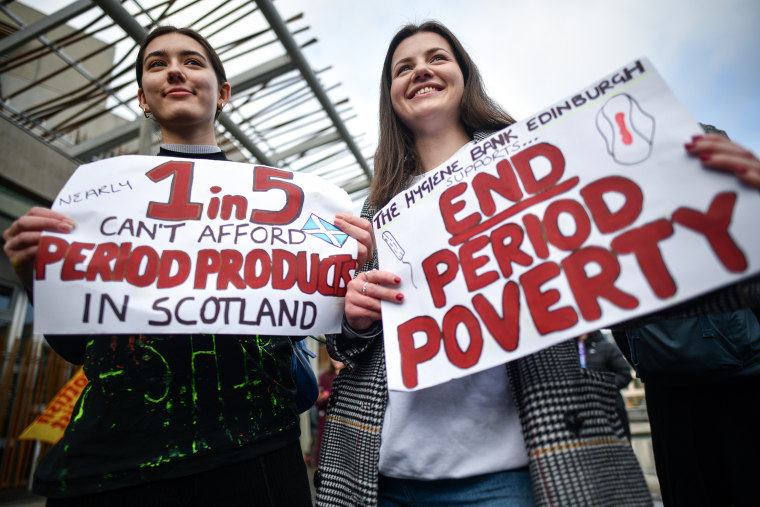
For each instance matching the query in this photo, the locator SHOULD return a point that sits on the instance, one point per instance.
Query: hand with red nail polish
(365, 293)
(721, 154)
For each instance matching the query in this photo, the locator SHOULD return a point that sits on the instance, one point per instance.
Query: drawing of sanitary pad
(627, 130)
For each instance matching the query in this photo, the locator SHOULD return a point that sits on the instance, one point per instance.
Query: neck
(189, 135)
(435, 148)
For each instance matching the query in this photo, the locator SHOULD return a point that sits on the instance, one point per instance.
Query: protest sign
(50, 424)
(166, 245)
(586, 214)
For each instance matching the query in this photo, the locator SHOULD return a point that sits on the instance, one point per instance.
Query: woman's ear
(225, 92)
(141, 99)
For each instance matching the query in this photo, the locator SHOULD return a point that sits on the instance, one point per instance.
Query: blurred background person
(599, 354)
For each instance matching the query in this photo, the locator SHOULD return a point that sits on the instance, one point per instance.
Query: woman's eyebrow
(160, 53)
(427, 53)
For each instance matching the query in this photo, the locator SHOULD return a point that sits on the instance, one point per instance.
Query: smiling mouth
(426, 89)
(179, 91)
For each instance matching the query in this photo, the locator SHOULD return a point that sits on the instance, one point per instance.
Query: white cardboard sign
(165, 245)
(586, 214)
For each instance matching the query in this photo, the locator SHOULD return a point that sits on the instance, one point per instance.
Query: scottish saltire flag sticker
(324, 230)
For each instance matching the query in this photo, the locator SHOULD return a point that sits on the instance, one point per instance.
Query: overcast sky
(534, 53)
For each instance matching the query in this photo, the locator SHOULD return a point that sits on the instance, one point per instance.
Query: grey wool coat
(577, 450)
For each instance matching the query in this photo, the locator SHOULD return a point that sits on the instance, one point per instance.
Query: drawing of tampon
(397, 251)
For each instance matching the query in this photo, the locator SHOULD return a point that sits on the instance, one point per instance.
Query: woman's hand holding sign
(717, 152)
(366, 290)
(23, 236)
(365, 293)
(361, 230)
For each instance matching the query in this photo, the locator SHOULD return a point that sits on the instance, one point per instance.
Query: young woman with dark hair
(396, 158)
(540, 430)
(173, 419)
(512, 435)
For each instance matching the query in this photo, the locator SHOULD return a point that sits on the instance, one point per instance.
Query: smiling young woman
(460, 442)
(540, 430)
(159, 424)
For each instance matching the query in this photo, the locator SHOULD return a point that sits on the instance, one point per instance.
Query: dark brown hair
(395, 160)
(216, 62)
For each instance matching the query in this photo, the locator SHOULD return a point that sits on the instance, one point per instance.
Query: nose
(175, 74)
(422, 72)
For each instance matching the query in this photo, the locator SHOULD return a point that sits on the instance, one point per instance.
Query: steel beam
(43, 25)
(86, 150)
(291, 46)
(310, 144)
(262, 73)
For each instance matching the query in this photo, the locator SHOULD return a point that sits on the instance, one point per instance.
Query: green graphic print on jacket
(164, 406)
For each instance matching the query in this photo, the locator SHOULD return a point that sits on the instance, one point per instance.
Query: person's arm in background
(616, 363)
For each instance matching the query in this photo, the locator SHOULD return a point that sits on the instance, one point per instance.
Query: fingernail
(742, 170)
(399, 297)
(397, 280)
(705, 156)
(689, 146)
(66, 225)
(696, 138)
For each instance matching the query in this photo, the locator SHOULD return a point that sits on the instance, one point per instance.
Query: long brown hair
(395, 158)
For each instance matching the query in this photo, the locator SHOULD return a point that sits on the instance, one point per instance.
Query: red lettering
(642, 242)
(462, 358)
(267, 178)
(546, 320)
(535, 231)
(208, 262)
(170, 258)
(505, 328)
(346, 263)
(522, 161)
(100, 262)
(505, 184)
(450, 208)
(284, 269)
(412, 356)
(238, 202)
(607, 221)
(588, 289)
(471, 264)
(179, 206)
(120, 266)
(257, 261)
(136, 260)
(73, 257)
(308, 273)
(551, 224)
(230, 265)
(437, 280)
(714, 226)
(507, 253)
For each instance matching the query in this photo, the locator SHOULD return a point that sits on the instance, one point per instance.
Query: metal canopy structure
(80, 96)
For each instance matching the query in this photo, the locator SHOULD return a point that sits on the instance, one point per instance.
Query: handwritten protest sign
(583, 215)
(167, 245)
(51, 423)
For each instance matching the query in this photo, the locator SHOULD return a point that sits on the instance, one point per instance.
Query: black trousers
(706, 441)
(277, 479)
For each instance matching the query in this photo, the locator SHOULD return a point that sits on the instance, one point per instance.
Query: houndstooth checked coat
(575, 442)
